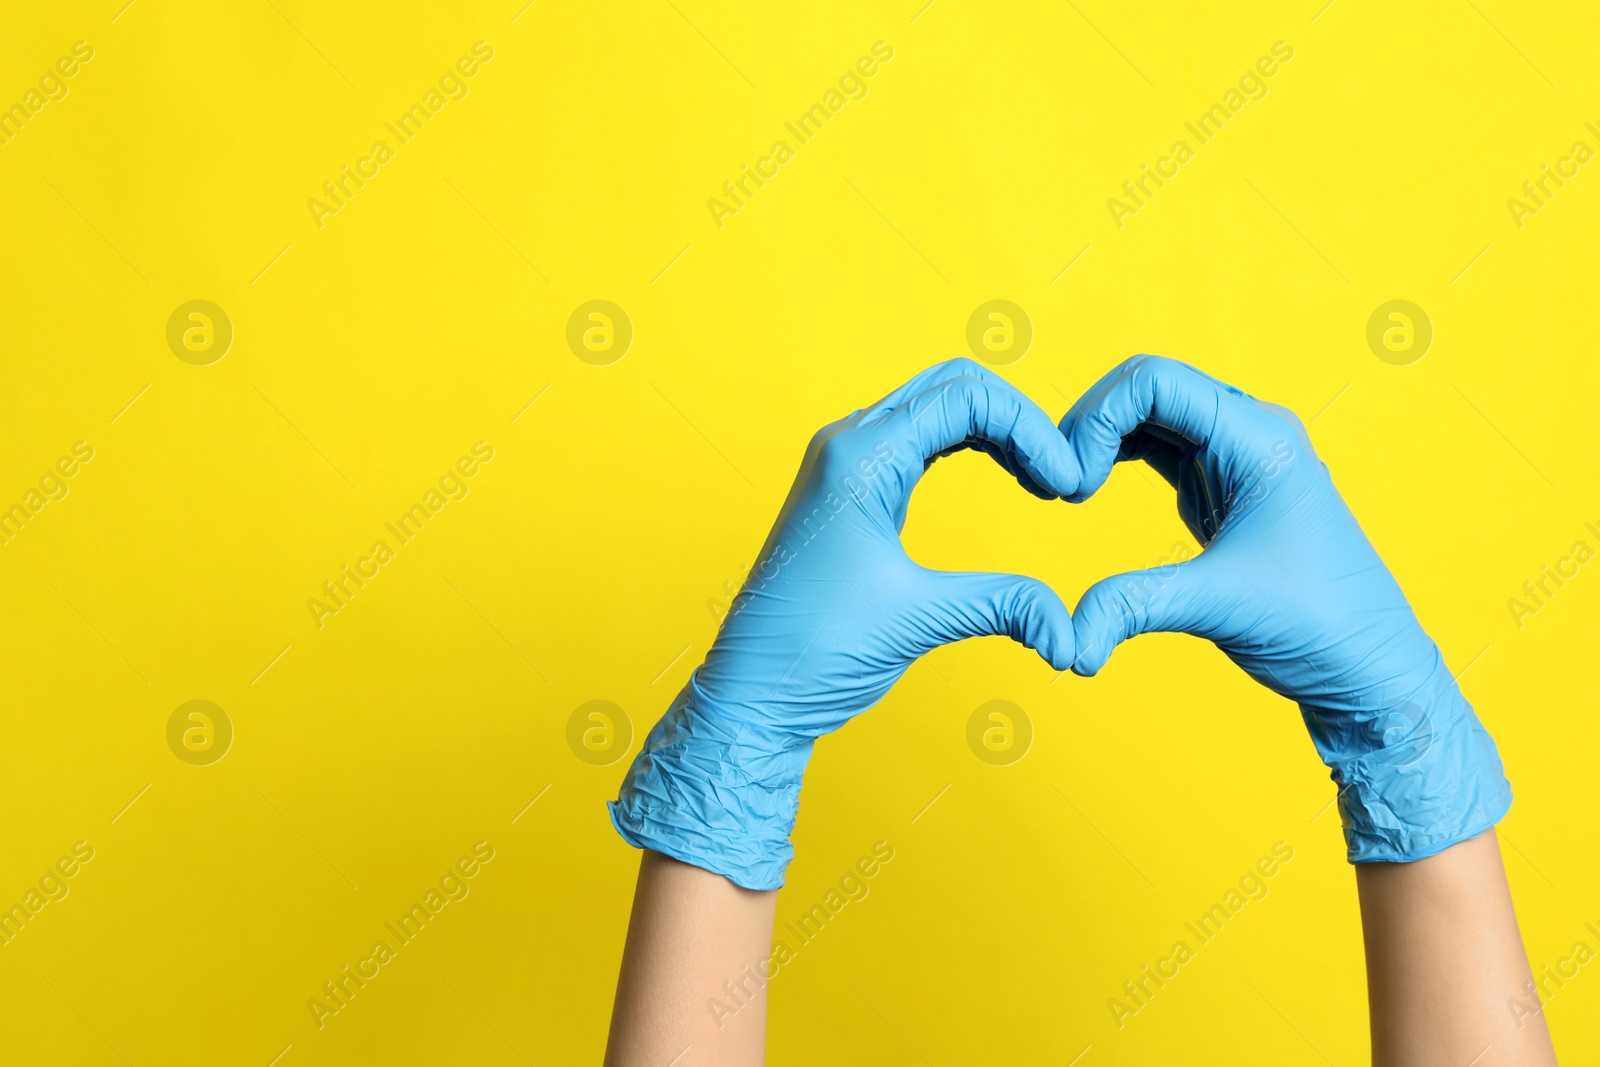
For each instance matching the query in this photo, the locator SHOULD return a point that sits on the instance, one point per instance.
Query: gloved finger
(1175, 598)
(1145, 389)
(967, 411)
(1115, 376)
(975, 604)
(937, 374)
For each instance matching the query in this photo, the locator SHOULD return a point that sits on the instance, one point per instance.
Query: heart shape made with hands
(1291, 589)
(1288, 586)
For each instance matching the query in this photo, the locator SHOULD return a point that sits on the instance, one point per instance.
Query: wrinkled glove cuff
(715, 791)
(1416, 778)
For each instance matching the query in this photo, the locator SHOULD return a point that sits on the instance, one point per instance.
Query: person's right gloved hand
(1289, 587)
(832, 615)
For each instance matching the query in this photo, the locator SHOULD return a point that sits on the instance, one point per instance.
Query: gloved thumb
(1169, 598)
(975, 604)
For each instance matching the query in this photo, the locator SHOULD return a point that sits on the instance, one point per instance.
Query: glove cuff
(1414, 778)
(714, 791)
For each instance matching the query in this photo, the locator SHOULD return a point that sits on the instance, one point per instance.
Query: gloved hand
(833, 613)
(1291, 589)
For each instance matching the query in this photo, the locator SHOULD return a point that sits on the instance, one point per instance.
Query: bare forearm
(690, 932)
(1444, 959)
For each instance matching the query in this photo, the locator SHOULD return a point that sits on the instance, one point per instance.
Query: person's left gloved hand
(1291, 590)
(832, 615)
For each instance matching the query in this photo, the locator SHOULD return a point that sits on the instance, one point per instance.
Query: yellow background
(430, 311)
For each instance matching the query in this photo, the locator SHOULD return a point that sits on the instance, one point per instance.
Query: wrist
(715, 791)
(1415, 776)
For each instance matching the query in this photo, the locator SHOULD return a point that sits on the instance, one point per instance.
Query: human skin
(1444, 962)
(690, 932)
(1444, 957)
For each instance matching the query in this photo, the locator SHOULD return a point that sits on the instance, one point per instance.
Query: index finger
(1143, 390)
(987, 413)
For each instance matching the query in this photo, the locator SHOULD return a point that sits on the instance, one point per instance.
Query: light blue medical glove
(832, 614)
(1291, 589)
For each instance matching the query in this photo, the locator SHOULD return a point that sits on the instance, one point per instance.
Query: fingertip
(1087, 660)
(1058, 663)
(1037, 488)
(1061, 645)
(1086, 488)
(1092, 644)
(1058, 480)
(1072, 474)
(1092, 460)
(1046, 624)
(1031, 441)
(1051, 636)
